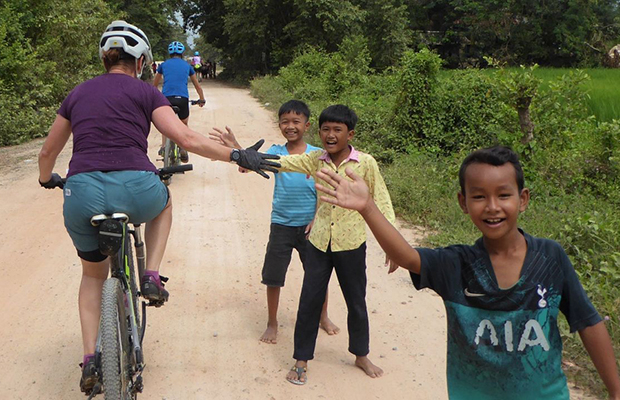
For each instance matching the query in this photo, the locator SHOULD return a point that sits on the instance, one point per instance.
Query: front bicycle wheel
(115, 360)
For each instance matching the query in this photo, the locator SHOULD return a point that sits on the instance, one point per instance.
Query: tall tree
(157, 18)
(557, 33)
(278, 29)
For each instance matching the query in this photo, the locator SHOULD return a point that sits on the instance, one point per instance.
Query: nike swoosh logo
(470, 294)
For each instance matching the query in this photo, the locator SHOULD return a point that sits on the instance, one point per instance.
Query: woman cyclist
(175, 72)
(110, 117)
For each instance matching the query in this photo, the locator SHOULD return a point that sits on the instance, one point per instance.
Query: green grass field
(603, 89)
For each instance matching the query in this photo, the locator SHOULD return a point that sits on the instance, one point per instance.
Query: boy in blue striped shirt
(293, 209)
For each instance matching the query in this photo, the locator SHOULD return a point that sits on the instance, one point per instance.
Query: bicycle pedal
(163, 278)
(95, 391)
(155, 303)
(139, 385)
(110, 237)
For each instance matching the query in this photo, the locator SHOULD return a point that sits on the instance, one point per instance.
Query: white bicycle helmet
(130, 38)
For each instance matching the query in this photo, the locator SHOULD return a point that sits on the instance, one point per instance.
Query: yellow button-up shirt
(345, 229)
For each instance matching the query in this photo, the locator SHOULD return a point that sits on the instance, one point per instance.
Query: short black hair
(497, 156)
(339, 113)
(296, 106)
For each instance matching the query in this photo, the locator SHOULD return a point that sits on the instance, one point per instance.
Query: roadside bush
(469, 113)
(415, 106)
(41, 59)
(21, 70)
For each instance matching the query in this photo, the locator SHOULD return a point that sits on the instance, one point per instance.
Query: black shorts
(282, 240)
(182, 103)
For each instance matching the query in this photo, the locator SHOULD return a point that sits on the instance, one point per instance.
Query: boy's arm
(354, 195)
(598, 344)
(293, 163)
(171, 126)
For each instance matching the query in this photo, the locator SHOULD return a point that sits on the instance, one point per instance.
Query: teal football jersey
(505, 343)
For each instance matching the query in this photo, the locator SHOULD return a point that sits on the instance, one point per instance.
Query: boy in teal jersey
(293, 208)
(502, 295)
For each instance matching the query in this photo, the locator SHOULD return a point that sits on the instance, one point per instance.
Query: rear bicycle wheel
(115, 359)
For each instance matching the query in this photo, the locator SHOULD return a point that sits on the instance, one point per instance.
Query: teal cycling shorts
(139, 194)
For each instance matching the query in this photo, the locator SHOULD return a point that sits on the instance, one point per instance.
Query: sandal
(299, 371)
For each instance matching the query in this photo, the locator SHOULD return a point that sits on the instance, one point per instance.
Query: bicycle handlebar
(175, 169)
(192, 102)
(163, 173)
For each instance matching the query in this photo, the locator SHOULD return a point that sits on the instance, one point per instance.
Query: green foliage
(557, 33)
(279, 29)
(417, 77)
(63, 40)
(463, 32)
(156, 18)
(47, 47)
(315, 74)
(21, 69)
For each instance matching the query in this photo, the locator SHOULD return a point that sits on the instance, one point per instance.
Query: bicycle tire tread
(111, 348)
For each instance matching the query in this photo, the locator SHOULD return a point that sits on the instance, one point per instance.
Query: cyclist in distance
(175, 71)
(110, 117)
(197, 62)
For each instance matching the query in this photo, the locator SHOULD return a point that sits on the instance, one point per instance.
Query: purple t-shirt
(110, 118)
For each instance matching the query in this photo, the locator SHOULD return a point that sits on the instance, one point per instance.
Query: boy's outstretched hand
(353, 194)
(227, 138)
(252, 159)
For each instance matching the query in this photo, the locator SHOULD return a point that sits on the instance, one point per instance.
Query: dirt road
(204, 343)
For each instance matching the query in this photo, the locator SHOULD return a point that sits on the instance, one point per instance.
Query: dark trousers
(350, 269)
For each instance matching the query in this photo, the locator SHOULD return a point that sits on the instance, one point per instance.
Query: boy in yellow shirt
(337, 241)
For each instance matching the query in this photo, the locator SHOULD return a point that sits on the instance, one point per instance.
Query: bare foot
(270, 335)
(328, 326)
(371, 369)
(297, 374)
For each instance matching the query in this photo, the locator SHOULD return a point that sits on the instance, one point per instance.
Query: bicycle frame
(121, 268)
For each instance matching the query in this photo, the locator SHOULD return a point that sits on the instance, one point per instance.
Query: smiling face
(335, 137)
(492, 200)
(293, 126)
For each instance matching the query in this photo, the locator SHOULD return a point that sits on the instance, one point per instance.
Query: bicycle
(172, 152)
(119, 356)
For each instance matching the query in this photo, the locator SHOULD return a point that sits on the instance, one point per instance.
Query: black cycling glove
(251, 159)
(55, 181)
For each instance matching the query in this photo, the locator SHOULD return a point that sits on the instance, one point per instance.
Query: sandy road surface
(204, 343)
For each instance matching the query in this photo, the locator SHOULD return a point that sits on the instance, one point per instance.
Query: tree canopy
(49, 46)
(261, 36)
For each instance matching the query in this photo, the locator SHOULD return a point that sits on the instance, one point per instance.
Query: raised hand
(352, 194)
(227, 138)
(252, 159)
